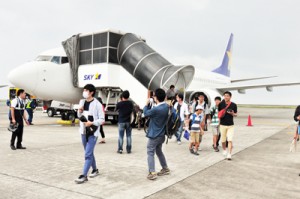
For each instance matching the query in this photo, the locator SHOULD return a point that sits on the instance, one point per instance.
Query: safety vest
(28, 105)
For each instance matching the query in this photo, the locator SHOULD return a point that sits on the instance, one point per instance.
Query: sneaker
(152, 176)
(192, 151)
(165, 171)
(216, 149)
(224, 153)
(81, 179)
(196, 153)
(94, 173)
(179, 142)
(120, 151)
(228, 156)
(12, 147)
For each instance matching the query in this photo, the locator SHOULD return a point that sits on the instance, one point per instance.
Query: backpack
(191, 122)
(173, 123)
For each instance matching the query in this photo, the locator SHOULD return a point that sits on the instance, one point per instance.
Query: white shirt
(184, 110)
(95, 110)
(16, 103)
(206, 109)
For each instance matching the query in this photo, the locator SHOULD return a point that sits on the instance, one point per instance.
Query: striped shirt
(215, 119)
(196, 122)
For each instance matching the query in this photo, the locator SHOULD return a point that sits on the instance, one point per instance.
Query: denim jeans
(179, 132)
(30, 115)
(155, 146)
(89, 146)
(122, 127)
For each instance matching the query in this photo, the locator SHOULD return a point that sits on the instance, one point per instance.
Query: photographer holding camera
(91, 116)
(226, 123)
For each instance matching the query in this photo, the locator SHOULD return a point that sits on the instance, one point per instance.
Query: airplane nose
(25, 77)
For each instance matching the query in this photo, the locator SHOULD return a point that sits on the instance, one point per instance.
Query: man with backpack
(195, 130)
(205, 110)
(156, 133)
(182, 109)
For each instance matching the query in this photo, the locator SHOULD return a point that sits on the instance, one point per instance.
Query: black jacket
(297, 113)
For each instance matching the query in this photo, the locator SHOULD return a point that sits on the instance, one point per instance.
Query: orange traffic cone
(249, 121)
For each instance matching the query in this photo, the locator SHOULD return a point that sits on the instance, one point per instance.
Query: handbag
(91, 129)
(222, 112)
(186, 135)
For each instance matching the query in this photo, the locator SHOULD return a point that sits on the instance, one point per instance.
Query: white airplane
(115, 60)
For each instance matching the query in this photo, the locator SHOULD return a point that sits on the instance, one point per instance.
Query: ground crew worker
(17, 116)
(30, 106)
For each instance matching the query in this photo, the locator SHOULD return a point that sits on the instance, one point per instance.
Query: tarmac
(261, 166)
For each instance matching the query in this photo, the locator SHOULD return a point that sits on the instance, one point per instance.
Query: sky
(266, 35)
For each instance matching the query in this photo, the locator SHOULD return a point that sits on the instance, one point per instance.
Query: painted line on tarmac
(47, 185)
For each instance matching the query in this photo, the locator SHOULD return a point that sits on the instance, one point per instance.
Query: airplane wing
(242, 88)
(249, 79)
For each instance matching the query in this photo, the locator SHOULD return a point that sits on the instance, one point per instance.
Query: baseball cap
(199, 107)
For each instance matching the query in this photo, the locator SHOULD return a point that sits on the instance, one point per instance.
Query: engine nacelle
(209, 96)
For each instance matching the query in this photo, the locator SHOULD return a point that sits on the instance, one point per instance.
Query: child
(196, 130)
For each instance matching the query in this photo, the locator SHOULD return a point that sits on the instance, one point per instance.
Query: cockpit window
(55, 59)
(64, 60)
(43, 58)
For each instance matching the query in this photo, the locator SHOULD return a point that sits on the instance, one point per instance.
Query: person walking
(196, 130)
(297, 119)
(215, 124)
(17, 109)
(226, 123)
(203, 103)
(91, 118)
(30, 106)
(156, 133)
(171, 92)
(101, 126)
(125, 108)
(183, 111)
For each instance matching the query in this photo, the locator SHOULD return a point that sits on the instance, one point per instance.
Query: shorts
(226, 132)
(298, 129)
(194, 137)
(215, 130)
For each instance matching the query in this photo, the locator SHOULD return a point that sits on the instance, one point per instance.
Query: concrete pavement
(54, 158)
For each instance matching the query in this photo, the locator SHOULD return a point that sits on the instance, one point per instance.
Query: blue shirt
(158, 119)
